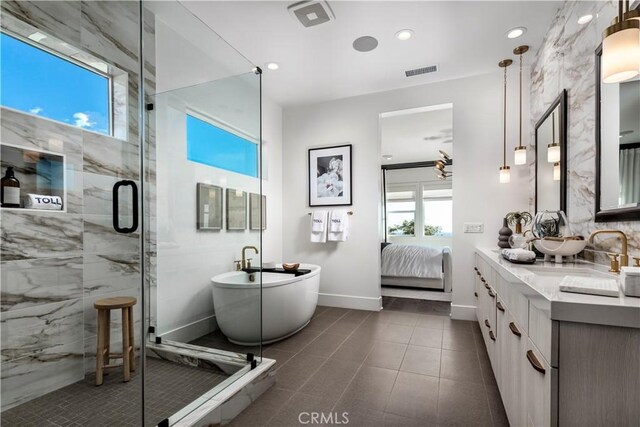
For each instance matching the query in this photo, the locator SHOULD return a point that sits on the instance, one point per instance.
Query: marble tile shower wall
(566, 61)
(56, 265)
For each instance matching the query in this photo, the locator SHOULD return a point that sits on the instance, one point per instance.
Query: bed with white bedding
(416, 266)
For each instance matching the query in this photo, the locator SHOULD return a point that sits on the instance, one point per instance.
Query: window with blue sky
(38, 82)
(213, 146)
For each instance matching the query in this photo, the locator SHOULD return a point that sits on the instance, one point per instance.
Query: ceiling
(318, 63)
(416, 135)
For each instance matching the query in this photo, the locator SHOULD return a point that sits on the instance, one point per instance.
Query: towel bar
(348, 213)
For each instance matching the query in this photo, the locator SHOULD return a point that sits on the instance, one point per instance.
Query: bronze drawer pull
(482, 280)
(475, 294)
(486, 323)
(493, 337)
(486, 285)
(475, 268)
(535, 362)
(491, 294)
(499, 305)
(514, 329)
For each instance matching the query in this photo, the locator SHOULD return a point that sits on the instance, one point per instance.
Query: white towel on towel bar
(338, 226)
(319, 226)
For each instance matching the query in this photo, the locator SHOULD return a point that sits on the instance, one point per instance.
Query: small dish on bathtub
(290, 266)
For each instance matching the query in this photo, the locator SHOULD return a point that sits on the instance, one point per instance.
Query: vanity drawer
(541, 332)
(516, 302)
(540, 382)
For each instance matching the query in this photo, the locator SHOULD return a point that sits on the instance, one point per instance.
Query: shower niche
(41, 176)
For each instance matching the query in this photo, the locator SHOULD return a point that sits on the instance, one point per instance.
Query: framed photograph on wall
(236, 209)
(330, 176)
(209, 202)
(254, 212)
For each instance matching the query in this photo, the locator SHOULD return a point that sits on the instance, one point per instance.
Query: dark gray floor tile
(395, 333)
(426, 337)
(298, 341)
(354, 349)
(414, 396)
(498, 413)
(354, 415)
(459, 340)
(399, 318)
(442, 308)
(320, 323)
(393, 420)
(332, 379)
(462, 404)
(406, 305)
(431, 321)
(280, 356)
(344, 326)
(297, 411)
(461, 366)
(263, 409)
(461, 325)
(325, 345)
(422, 360)
(386, 355)
(319, 310)
(370, 389)
(295, 372)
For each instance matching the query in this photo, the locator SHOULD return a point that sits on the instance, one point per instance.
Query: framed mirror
(551, 157)
(617, 148)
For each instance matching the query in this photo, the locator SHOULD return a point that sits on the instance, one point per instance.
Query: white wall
(351, 270)
(188, 258)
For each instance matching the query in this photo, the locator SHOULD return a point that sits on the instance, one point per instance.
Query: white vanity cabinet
(552, 371)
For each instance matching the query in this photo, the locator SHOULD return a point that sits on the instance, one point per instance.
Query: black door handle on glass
(116, 206)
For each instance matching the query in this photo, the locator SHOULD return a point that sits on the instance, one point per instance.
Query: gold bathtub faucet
(624, 256)
(244, 256)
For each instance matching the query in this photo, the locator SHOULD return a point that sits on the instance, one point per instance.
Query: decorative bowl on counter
(559, 248)
(290, 266)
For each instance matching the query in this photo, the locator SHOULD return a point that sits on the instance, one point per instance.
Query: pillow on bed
(384, 245)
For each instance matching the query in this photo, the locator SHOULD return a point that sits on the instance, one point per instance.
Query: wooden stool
(103, 355)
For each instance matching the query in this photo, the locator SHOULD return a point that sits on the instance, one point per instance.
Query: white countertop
(543, 291)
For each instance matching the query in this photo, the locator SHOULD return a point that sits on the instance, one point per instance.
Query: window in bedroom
(437, 210)
(401, 211)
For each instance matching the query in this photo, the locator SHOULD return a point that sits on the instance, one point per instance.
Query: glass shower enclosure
(159, 194)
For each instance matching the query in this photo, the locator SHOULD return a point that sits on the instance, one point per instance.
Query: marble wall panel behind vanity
(566, 60)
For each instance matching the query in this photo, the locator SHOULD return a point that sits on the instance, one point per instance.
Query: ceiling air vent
(423, 70)
(311, 12)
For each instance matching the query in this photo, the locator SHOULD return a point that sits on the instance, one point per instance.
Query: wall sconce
(556, 171)
(521, 151)
(621, 46)
(505, 171)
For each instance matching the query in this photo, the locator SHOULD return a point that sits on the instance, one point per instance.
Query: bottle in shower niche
(10, 190)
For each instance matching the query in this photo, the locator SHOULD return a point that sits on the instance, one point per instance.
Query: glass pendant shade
(520, 156)
(621, 51)
(553, 153)
(505, 175)
(556, 171)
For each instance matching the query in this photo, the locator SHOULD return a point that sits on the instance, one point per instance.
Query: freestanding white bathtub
(288, 302)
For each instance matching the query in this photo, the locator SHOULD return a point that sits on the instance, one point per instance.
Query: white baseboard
(192, 331)
(463, 312)
(350, 301)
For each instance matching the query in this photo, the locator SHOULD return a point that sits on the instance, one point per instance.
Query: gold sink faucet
(244, 257)
(624, 256)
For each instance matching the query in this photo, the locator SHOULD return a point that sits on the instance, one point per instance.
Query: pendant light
(621, 46)
(556, 171)
(505, 171)
(521, 151)
(553, 149)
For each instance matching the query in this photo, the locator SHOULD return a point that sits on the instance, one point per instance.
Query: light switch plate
(473, 227)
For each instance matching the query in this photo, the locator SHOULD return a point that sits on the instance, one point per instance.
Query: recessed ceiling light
(514, 33)
(387, 156)
(365, 44)
(585, 19)
(272, 66)
(404, 34)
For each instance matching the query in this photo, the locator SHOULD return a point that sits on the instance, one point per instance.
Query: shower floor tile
(168, 388)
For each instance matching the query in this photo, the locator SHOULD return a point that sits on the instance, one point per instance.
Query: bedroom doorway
(417, 199)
